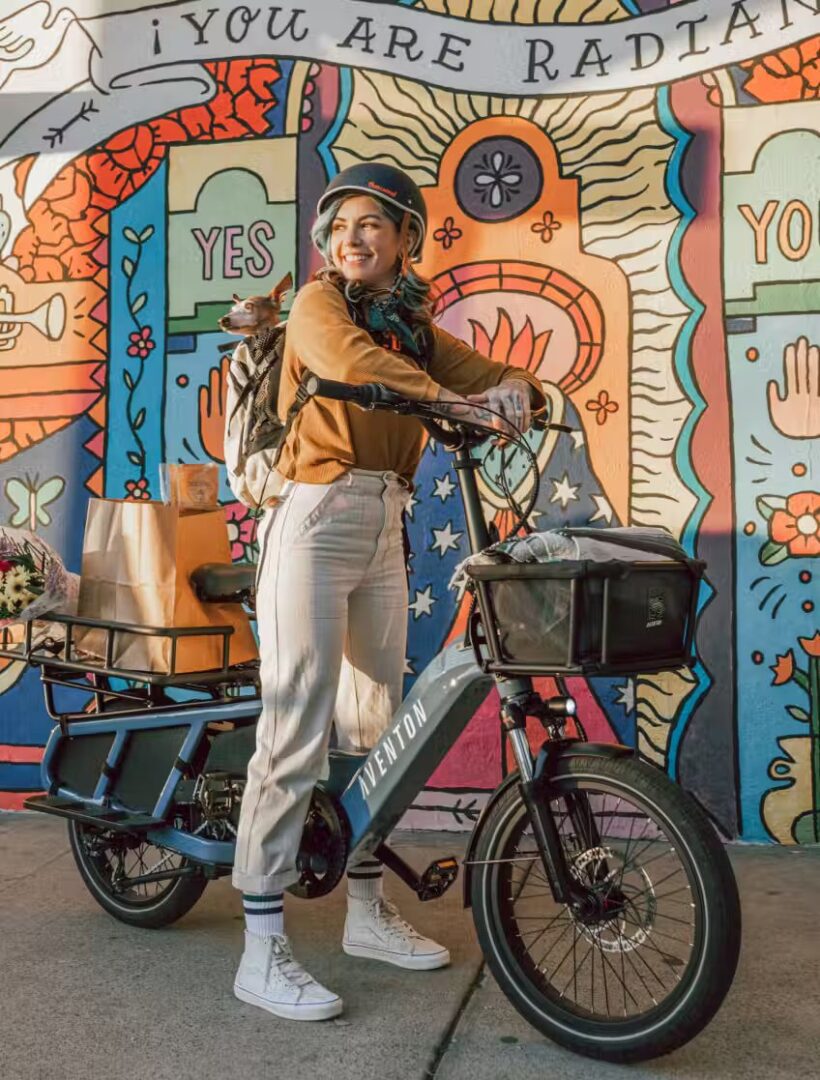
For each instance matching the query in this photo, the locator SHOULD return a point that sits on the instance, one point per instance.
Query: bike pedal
(437, 878)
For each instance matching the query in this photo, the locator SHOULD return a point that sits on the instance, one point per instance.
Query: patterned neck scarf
(382, 318)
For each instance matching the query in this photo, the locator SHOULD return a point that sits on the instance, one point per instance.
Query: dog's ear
(278, 291)
(237, 299)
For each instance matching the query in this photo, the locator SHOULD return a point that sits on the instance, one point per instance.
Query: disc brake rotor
(634, 907)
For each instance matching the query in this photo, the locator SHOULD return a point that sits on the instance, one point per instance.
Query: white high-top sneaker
(374, 928)
(269, 977)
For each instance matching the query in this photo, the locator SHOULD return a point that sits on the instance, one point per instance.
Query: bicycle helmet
(386, 183)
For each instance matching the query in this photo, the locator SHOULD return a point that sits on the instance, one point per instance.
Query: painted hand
(212, 400)
(797, 413)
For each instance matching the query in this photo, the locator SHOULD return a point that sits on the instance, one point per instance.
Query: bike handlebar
(378, 396)
(367, 395)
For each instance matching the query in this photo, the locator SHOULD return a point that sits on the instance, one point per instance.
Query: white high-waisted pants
(331, 606)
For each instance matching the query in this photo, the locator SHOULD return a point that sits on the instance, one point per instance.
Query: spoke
(575, 969)
(561, 915)
(667, 958)
(606, 989)
(628, 954)
(560, 963)
(660, 839)
(659, 882)
(549, 950)
(167, 857)
(674, 918)
(655, 932)
(626, 851)
(683, 888)
(543, 930)
(592, 990)
(639, 955)
(661, 854)
(608, 962)
(637, 840)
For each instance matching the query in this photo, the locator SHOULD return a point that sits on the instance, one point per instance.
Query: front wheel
(643, 966)
(108, 861)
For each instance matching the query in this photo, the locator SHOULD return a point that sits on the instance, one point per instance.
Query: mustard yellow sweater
(329, 437)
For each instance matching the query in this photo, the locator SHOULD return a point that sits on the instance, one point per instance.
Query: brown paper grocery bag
(137, 558)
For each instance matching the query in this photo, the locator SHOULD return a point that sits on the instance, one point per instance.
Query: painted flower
(783, 669)
(498, 180)
(448, 233)
(811, 646)
(797, 525)
(546, 227)
(240, 529)
(5, 565)
(137, 489)
(792, 74)
(141, 343)
(602, 407)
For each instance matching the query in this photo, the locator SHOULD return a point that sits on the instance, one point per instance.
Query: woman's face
(364, 242)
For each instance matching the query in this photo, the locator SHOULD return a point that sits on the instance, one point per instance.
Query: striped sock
(264, 915)
(365, 878)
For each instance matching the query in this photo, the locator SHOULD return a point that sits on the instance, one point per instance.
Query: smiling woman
(364, 242)
(331, 586)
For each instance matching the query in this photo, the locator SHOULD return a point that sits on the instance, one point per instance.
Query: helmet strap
(404, 243)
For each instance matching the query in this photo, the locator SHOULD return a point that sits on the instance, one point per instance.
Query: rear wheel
(109, 860)
(643, 965)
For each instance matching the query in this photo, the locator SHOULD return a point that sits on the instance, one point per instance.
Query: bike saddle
(224, 583)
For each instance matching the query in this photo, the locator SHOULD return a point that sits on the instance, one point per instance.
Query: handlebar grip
(366, 395)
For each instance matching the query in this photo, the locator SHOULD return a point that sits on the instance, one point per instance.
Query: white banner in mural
(72, 74)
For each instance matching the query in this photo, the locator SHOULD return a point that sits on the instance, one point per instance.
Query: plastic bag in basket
(33, 579)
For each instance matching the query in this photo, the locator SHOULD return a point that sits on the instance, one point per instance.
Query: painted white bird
(31, 36)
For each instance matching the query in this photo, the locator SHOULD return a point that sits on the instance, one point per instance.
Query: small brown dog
(251, 316)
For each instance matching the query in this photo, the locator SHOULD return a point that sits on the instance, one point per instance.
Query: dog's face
(255, 313)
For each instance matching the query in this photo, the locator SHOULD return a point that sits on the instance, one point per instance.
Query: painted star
(408, 667)
(444, 539)
(577, 437)
(423, 603)
(443, 487)
(604, 511)
(411, 502)
(626, 695)
(564, 493)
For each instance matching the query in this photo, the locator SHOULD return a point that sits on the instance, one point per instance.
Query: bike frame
(373, 790)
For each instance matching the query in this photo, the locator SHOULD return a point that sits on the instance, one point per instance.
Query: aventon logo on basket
(387, 751)
(655, 609)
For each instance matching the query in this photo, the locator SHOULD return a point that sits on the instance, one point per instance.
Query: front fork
(515, 709)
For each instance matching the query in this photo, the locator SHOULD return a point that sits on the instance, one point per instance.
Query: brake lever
(452, 439)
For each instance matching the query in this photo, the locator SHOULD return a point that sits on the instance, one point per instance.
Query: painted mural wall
(650, 248)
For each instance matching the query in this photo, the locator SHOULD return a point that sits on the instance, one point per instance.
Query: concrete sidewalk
(84, 996)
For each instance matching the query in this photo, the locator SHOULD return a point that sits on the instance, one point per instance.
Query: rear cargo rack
(49, 644)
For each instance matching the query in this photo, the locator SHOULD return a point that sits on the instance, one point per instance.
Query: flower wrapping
(33, 578)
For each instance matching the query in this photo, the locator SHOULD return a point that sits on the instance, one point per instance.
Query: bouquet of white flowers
(33, 579)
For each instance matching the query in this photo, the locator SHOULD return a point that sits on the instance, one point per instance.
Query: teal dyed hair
(414, 293)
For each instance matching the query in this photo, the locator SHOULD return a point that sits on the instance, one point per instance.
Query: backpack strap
(300, 399)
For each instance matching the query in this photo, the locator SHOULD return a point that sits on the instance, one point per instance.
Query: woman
(331, 587)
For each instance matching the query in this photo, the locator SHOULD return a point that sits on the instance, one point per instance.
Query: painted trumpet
(49, 318)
